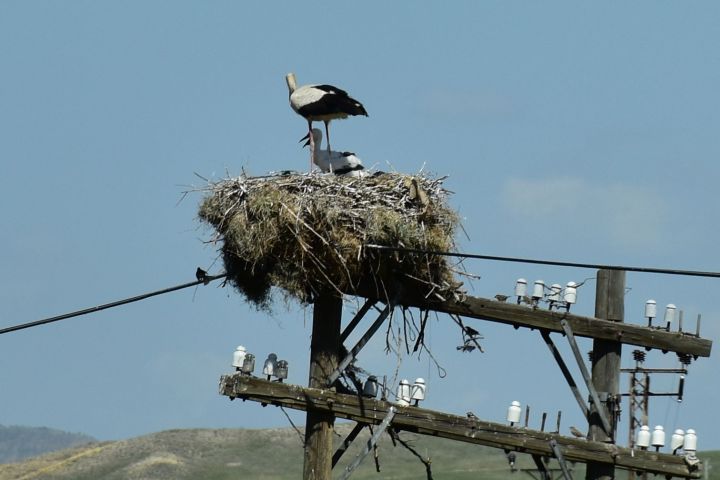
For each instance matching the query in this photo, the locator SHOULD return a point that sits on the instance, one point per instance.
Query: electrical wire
(667, 271)
(207, 279)
(201, 280)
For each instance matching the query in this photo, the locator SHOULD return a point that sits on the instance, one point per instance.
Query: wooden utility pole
(324, 358)
(609, 305)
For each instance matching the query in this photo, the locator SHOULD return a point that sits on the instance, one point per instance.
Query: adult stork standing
(321, 103)
(339, 163)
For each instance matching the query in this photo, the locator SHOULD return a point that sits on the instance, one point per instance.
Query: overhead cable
(667, 271)
(202, 279)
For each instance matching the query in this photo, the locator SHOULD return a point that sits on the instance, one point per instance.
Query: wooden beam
(460, 428)
(324, 353)
(589, 327)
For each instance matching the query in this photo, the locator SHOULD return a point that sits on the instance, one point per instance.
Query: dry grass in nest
(306, 234)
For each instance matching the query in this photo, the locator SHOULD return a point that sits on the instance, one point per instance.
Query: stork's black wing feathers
(334, 101)
(343, 171)
(332, 89)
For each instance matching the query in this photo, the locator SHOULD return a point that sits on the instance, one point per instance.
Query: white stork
(339, 163)
(321, 103)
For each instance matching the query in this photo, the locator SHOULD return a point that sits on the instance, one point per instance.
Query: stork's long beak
(306, 137)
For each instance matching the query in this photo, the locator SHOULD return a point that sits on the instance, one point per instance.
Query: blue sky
(571, 131)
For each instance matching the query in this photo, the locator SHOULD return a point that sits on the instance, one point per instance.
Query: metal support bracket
(346, 443)
(566, 373)
(560, 459)
(370, 444)
(586, 376)
(360, 344)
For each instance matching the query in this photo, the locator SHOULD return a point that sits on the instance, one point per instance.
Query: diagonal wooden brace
(370, 444)
(356, 319)
(566, 373)
(561, 460)
(586, 376)
(542, 469)
(346, 443)
(358, 346)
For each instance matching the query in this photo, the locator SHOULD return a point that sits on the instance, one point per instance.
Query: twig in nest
(427, 462)
(414, 328)
(388, 347)
(421, 334)
(405, 332)
(419, 342)
(442, 373)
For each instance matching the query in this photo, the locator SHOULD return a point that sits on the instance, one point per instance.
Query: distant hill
(267, 454)
(18, 443)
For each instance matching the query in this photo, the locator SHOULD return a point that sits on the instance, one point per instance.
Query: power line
(667, 271)
(204, 279)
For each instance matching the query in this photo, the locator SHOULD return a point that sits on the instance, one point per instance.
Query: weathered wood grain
(589, 327)
(430, 422)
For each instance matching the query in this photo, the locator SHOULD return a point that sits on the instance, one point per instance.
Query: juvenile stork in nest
(321, 103)
(339, 163)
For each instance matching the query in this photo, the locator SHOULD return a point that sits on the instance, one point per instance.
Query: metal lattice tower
(639, 396)
(639, 400)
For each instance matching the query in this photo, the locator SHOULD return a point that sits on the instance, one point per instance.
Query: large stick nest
(308, 234)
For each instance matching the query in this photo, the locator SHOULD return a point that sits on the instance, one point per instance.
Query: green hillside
(18, 443)
(266, 454)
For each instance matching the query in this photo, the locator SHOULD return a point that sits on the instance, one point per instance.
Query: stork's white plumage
(321, 103)
(339, 163)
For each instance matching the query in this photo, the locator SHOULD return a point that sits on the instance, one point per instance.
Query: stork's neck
(290, 79)
(317, 150)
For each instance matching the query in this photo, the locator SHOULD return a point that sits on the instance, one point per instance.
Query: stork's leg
(327, 134)
(312, 145)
